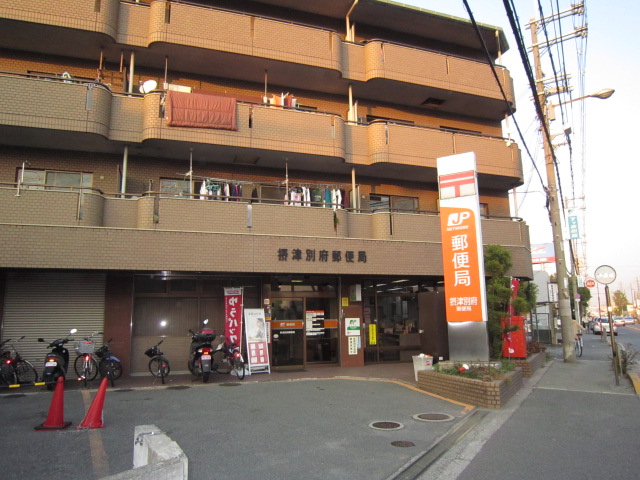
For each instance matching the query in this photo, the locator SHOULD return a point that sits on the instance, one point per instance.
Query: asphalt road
(311, 429)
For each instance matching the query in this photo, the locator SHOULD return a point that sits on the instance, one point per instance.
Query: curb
(635, 380)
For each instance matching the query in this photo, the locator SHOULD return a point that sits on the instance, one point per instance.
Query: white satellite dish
(148, 86)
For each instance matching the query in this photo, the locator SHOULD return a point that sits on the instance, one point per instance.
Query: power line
(504, 96)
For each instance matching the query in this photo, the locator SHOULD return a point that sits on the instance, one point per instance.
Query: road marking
(466, 407)
(98, 454)
(582, 391)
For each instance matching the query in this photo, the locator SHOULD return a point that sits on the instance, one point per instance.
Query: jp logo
(457, 219)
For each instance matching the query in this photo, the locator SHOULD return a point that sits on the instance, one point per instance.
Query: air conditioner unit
(177, 88)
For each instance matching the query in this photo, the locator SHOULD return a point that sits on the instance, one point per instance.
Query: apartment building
(155, 153)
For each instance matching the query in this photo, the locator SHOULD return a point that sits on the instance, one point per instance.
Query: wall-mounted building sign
(542, 253)
(312, 255)
(352, 327)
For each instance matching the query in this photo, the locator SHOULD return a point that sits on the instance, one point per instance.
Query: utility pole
(564, 305)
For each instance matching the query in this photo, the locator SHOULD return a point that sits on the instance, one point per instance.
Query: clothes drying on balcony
(212, 190)
(317, 197)
(200, 111)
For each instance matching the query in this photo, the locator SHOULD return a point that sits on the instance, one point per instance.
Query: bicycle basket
(102, 351)
(153, 351)
(84, 347)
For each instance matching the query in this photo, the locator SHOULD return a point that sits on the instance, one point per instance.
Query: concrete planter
(530, 364)
(493, 394)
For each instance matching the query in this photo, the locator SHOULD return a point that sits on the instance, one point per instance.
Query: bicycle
(578, 345)
(227, 358)
(109, 366)
(16, 370)
(85, 365)
(158, 365)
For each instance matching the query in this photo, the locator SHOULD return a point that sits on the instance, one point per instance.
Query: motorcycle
(57, 361)
(200, 351)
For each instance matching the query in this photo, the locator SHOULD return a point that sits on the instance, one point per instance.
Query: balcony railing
(208, 29)
(85, 107)
(28, 204)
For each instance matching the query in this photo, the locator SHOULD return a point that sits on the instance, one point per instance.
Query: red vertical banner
(233, 315)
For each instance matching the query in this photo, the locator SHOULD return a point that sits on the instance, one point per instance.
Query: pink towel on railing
(201, 111)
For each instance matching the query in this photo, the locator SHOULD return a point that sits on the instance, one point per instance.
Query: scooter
(200, 351)
(57, 361)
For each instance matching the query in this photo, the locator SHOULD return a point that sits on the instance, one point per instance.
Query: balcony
(201, 40)
(89, 116)
(74, 229)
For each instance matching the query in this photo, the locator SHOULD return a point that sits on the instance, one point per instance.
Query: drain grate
(386, 425)
(403, 443)
(179, 387)
(229, 384)
(433, 417)
(14, 395)
(124, 390)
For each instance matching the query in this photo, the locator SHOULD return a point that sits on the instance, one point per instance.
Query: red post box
(514, 343)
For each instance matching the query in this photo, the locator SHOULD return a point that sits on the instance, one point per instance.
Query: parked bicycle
(85, 365)
(109, 365)
(227, 358)
(158, 365)
(578, 344)
(15, 369)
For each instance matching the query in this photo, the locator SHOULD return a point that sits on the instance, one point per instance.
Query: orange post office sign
(462, 278)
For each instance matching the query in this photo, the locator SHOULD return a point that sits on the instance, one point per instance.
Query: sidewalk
(569, 421)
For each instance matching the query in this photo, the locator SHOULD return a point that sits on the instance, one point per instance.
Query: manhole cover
(386, 425)
(229, 384)
(433, 417)
(403, 443)
(179, 387)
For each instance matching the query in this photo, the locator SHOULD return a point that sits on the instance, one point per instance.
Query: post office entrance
(304, 325)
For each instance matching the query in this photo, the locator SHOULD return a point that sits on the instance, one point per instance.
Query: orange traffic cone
(94, 419)
(55, 418)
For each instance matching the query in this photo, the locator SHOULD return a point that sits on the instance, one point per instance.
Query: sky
(606, 171)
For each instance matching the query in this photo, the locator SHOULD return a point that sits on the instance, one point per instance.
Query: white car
(619, 321)
(603, 323)
(629, 320)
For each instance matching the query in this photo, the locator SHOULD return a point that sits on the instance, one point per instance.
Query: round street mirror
(605, 274)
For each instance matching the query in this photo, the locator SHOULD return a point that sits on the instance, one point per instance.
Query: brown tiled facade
(373, 112)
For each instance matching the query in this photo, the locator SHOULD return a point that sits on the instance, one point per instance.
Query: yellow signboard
(373, 334)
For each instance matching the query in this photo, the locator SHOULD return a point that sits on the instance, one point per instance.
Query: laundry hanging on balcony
(200, 111)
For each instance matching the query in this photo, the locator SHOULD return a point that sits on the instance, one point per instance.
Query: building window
(174, 188)
(55, 180)
(392, 203)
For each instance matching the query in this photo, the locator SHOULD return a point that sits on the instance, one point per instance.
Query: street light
(601, 94)
(562, 278)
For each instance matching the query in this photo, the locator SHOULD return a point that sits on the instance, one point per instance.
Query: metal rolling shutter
(48, 305)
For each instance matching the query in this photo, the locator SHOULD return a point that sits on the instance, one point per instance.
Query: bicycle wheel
(110, 369)
(159, 367)
(26, 372)
(218, 363)
(91, 368)
(8, 374)
(238, 367)
(578, 348)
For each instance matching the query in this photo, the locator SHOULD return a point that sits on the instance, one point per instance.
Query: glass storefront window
(391, 308)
